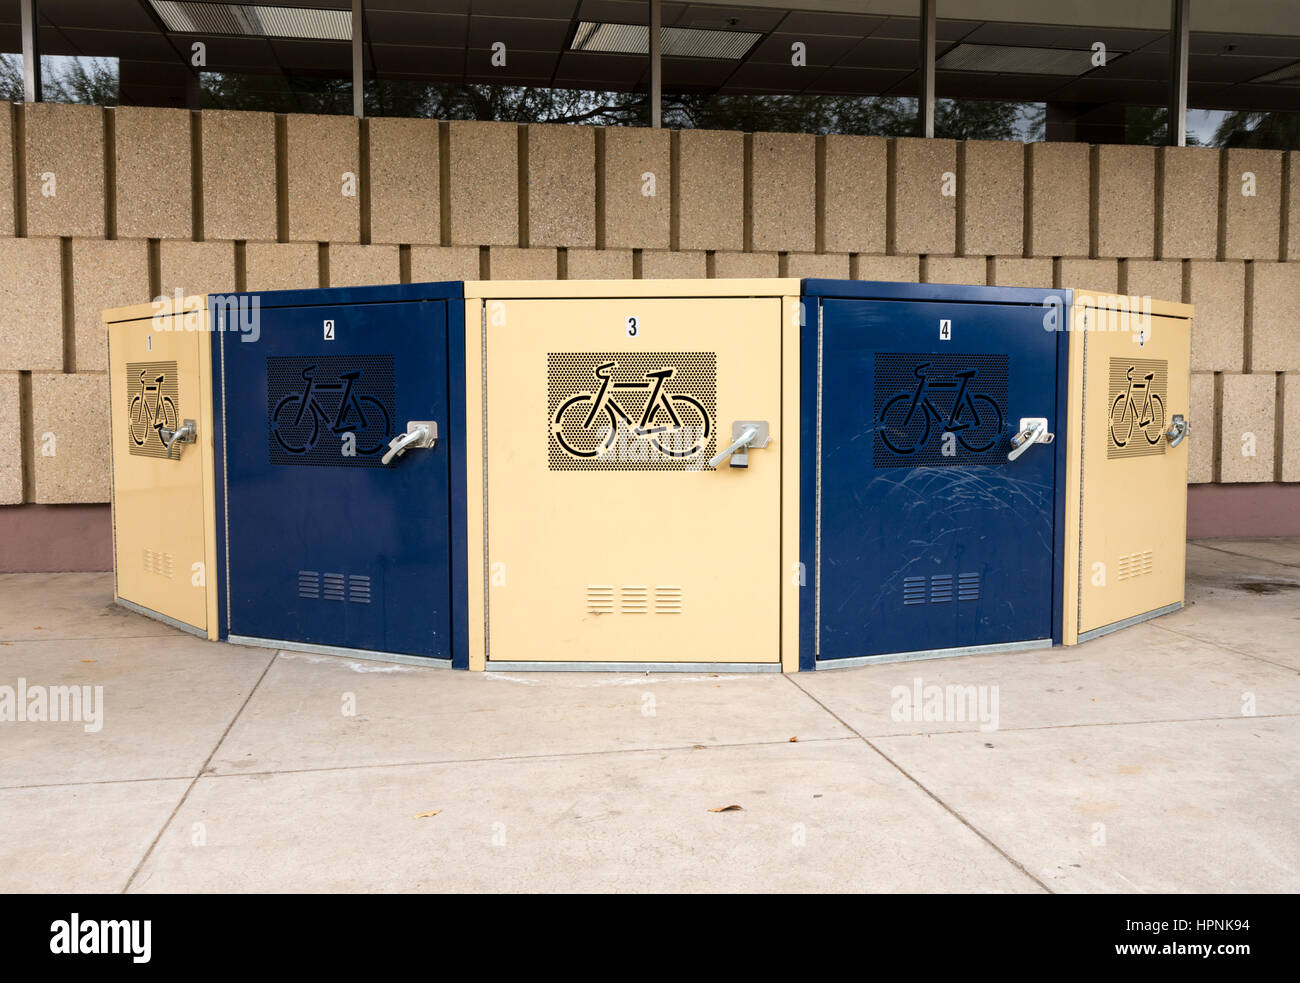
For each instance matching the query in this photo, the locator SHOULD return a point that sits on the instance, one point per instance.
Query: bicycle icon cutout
(159, 416)
(1150, 419)
(300, 419)
(597, 415)
(906, 419)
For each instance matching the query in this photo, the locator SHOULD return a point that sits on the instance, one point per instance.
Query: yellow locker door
(159, 379)
(609, 537)
(1133, 484)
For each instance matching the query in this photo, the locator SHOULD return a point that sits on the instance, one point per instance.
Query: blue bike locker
(322, 544)
(932, 502)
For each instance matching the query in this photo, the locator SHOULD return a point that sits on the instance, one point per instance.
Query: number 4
(945, 330)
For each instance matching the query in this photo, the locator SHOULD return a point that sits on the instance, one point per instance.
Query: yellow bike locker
(160, 391)
(1126, 501)
(633, 474)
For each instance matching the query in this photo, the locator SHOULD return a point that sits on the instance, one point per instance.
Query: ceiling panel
(859, 81)
(317, 56)
(439, 30)
(715, 18)
(418, 60)
(112, 44)
(696, 71)
(882, 53)
(536, 65)
(526, 34)
(594, 66)
(821, 49)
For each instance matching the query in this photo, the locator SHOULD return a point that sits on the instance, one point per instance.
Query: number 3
(631, 327)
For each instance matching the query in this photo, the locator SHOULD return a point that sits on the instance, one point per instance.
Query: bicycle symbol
(161, 415)
(906, 418)
(1147, 421)
(688, 421)
(298, 418)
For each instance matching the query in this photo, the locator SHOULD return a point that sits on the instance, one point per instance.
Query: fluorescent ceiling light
(1288, 75)
(257, 20)
(675, 42)
(1017, 60)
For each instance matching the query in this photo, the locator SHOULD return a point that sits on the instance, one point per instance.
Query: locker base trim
(871, 660)
(1135, 620)
(156, 616)
(496, 666)
(365, 655)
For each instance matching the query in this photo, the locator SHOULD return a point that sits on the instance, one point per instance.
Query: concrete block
(1189, 202)
(238, 175)
(11, 441)
(1158, 279)
(1126, 201)
(105, 274)
(1293, 205)
(711, 169)
(1275, 317)
(324, 176)
(664, 264)
(31, 297)
(1013, 271)
(956, 269)
(1251, 226)
(1095, 275)
(784, 192)
(925, 196)
(431, 264)
(70, 437)
(484, 174)
(729, 265)
(901, 269)
(404, 181)
(857, 179)
(638, 188)
(197, 267)
(6, 170)
(1218, 291)
(1059, 199)
(1200, 446)
(64, 169)
(153, 173)
(599, 264)
(514, 263)
(1290, 426)
(834, 266)
(992, 198)
(364, 266)
(1246, 427)
(561, 185)
(281, 266)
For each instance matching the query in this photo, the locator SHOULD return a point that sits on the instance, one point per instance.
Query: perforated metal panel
(1139, 394)
(153, 402)
(939, 410)
(330, 410)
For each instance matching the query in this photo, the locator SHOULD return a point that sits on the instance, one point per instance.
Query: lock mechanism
(745, 434)
(185, 435)
(1033, 430)
(1177, 430)
(418, 434)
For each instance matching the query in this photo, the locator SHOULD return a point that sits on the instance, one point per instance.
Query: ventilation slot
(913, 590)
(636, 599)
(308, 584)
(668, 599)
(333, 586)
(600, 598)
(359, 589)
(941, 589)
(1135, 565)
(968, 587)
(158, 563)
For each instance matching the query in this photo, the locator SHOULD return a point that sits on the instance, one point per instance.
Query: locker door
(328, 546)
(930, 538)
(159, 379)
(609, 536)
(1133, 526)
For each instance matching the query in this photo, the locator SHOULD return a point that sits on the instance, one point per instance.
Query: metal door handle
(746, 434)
(1177, 430)
(185, 435)
(1033, 430)
(419, 433)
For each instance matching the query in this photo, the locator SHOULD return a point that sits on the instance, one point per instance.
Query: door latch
(745, 434)
(1177, 430)
(1033, 430)
(418, 434)
(185, 435)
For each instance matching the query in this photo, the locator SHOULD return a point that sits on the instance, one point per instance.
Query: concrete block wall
(105, 207)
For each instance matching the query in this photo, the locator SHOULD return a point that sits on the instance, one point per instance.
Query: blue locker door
(930, 538)
(327, 545)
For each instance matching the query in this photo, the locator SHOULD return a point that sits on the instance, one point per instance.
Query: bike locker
(1126, 511)
(160, 408)
(932, 474)
(633, 483)
(341, 470)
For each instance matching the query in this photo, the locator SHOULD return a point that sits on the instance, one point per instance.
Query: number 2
(329, 330)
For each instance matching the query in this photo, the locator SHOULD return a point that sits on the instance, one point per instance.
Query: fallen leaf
(426, 815)
(38, 627)
(794, 740)
(730, 808)
(697, 747)
(89, 660)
